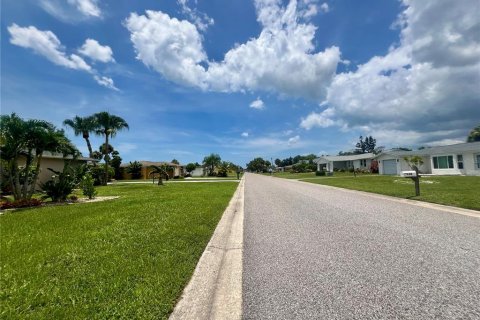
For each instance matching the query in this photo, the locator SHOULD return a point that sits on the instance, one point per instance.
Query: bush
(135, 169)
(320, 173)
(98, 173)
(24, 203)
(88, 186)
(60, 186)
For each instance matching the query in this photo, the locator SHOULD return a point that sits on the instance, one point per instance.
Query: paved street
(312, 252)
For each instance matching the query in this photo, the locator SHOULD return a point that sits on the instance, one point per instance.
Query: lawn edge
(215, 289)
(419, 203)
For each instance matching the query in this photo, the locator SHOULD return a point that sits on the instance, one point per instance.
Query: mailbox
(408, 174)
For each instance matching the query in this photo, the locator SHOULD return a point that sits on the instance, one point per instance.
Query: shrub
(60, 186)
(24, 203)
(320, 173)
(88, 186)
(98, 173)
(135, 169)
(73, 198)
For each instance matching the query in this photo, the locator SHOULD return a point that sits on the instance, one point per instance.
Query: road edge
(418, 203)
(215, 289)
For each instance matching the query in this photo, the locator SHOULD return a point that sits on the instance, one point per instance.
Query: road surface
(313, 252)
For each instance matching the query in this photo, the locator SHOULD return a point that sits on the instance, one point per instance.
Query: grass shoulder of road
(458, 191)
(126, 258)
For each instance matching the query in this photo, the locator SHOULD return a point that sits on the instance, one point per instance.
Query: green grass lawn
(127, 258)
(449, 190)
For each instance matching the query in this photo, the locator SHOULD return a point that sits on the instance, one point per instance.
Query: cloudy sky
(244, 78)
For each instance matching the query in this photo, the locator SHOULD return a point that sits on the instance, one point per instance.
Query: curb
(418, 203)
(215, 289)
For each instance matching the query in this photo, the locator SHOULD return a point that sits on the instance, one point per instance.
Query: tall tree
(367, 145)
(474, 134)
(211, 161)
(108, 125)
(29, 139)
(115, 163)
(82, 126)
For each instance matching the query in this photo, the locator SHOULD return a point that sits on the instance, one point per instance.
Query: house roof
(346, 158)
(50, 155)
(153, 163)
(453, 148)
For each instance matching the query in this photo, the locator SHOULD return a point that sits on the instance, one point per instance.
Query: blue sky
(242, 78)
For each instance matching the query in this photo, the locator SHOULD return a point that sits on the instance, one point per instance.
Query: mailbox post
(415, 177)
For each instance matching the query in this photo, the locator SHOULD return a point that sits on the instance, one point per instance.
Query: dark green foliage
(161, 172)
(190, 167)
(211, 162)
(367, 145)
(175, 161)
(474, 135)
(28, 139)
(320, 173)
(60, 186)
(98, 173)
(223, 169)
(258, 165)
(135, 169)
(115, 162)
(88, 186)
(82, 126)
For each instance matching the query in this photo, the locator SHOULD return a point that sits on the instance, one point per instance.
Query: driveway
(313, 252)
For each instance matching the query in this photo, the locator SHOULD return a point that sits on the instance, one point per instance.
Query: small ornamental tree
(88, 187)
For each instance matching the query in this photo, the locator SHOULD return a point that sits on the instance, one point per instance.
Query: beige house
(55, 162)
(175, 170)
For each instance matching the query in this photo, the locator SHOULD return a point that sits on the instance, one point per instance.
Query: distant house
(357, 161)
(54, 161)
(198, 172)
(176, 170)
(456, 159)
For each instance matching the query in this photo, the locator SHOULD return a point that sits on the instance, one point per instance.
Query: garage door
(390, 166)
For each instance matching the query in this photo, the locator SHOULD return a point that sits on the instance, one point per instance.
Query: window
(460, 161)
(477, 161)
(443, 162)
(363, 163)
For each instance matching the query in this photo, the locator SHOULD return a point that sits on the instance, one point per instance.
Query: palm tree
(108, 125)
(82, 126)
(211, 161)
(161, 171)
(29, 139)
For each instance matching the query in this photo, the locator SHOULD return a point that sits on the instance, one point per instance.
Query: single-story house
(198, 172)
(357, 161)
(55, 161)
(176, 170)
(456, 159)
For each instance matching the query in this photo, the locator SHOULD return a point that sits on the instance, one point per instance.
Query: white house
(456, 159)
(357, 161)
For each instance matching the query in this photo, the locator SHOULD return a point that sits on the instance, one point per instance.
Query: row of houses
(456, 159)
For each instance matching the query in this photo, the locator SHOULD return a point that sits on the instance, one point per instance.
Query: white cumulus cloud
(46, 44)
(430, 80)
(282, 59)
(199, 19)
(245, 134)
(257, 104)
(87, 7)
(95, 51)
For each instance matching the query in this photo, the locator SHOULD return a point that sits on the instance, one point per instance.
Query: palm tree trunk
(89, 146)
(105, 151)
(35, 176)
(28, 163)
(15, 179)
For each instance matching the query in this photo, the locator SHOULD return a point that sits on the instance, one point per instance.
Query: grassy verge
(307, 175)
(454, 191)
(127, 258)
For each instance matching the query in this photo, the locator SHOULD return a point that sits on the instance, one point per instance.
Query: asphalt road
(312, 252)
